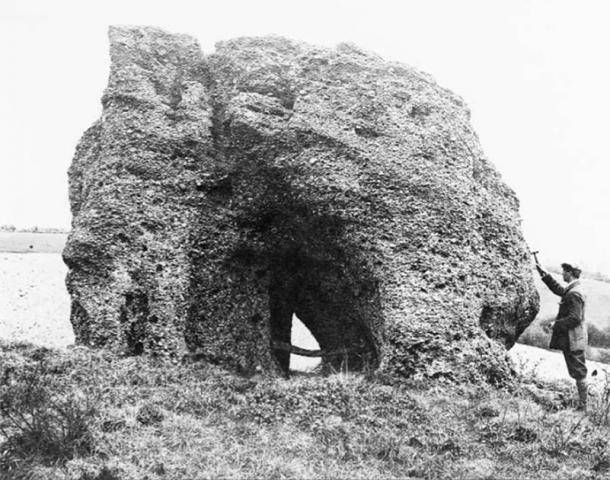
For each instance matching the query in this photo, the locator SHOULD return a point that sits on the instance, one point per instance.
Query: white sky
(535, 74)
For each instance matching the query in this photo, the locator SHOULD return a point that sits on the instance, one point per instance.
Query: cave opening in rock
(333, 301)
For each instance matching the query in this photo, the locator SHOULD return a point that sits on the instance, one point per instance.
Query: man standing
(569, 329)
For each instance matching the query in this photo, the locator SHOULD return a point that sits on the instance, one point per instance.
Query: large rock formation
(218, 195)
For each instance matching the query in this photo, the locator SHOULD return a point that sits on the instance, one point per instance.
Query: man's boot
(583, 392)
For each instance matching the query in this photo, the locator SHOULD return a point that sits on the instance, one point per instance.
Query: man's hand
(548, 326)
(541, 270)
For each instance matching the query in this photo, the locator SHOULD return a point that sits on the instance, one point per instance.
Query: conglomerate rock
(219, 195)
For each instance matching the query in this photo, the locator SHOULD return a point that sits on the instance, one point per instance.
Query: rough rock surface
(218, 195)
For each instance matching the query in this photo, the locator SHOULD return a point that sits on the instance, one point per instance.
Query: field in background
(27, 242)
(34, 303)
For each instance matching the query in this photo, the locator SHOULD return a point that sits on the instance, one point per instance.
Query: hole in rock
(301, 337)
(327, 303)
(133, 317)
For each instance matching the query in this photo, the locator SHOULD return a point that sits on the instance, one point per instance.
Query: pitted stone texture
(327, 183)
(131, 185)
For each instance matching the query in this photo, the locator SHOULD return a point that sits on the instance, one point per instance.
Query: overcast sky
(535, 74)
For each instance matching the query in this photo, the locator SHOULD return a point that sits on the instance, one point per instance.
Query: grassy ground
(109, 418)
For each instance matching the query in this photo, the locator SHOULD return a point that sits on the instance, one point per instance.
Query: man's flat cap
(572, 268)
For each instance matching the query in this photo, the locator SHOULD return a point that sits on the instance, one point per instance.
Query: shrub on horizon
(598, 337)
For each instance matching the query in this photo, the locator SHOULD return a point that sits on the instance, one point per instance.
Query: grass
(195, 421)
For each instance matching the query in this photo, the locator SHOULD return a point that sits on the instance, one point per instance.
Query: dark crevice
(335, 300)
(80, 322)
(366, 132)
(134, 317)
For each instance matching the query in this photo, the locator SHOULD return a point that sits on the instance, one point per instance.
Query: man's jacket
(569, 331)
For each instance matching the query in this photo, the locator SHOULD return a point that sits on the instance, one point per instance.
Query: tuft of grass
(42, 417)
(149, 414)
(600, 403)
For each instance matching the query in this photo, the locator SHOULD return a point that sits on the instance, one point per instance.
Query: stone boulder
(219, 195)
